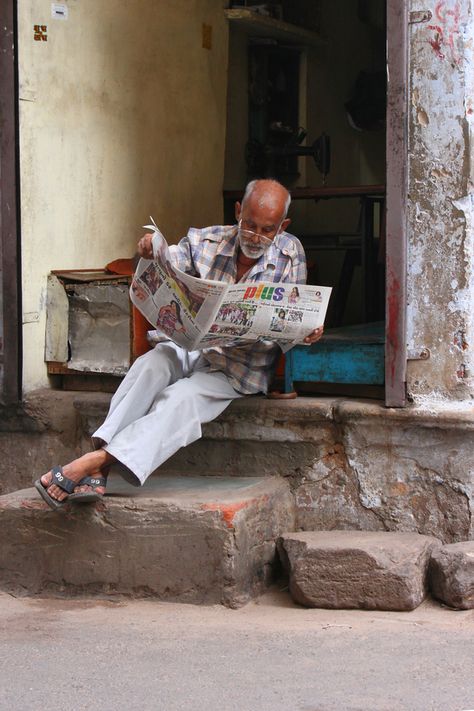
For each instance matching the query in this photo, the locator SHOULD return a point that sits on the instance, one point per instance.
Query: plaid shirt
(211, 253)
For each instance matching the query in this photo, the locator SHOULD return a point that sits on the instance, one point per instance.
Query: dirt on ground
(270, 655)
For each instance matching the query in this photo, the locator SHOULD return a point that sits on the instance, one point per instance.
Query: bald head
(261, 216)
(269, 195)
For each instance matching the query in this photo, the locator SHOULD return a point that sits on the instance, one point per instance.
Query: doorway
(326, 62)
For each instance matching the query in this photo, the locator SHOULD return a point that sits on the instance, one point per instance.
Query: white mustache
(250, 250)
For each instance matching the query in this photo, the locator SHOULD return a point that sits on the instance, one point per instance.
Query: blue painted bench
(350, 354)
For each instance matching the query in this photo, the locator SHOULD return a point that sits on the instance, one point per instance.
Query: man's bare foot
(91, 464)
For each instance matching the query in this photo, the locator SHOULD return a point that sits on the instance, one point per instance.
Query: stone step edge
(227, 503)
(307, 411)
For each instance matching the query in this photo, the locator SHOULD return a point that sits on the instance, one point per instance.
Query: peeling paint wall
(441, 201)
(121, 115)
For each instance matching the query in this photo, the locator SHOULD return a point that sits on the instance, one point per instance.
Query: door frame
(396, 215)
(10, 279)
(397, 195)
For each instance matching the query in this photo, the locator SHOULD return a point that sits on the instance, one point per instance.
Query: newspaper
(199, 313)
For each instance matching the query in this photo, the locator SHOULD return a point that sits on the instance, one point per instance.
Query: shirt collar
(228, 245)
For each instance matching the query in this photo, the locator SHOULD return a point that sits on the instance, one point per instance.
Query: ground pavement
(271, 655)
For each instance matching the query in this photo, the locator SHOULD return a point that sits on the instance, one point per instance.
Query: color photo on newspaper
(199, 313)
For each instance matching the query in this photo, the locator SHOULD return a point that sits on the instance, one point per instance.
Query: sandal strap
(93, 481)
(61, 480)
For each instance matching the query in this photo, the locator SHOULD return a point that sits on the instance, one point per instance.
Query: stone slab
(188, 539)
(357, 569)
(451, 574)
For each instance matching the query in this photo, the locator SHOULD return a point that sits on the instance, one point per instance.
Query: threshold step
(180, 538)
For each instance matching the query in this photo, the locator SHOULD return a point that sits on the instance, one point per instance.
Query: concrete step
(188, 539)
(350, 463)
(255, 435)
(357, 569)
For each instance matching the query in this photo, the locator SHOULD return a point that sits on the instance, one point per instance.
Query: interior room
(306, 104)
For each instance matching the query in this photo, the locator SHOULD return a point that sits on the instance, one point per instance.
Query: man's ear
(285, 224)
(238, 210)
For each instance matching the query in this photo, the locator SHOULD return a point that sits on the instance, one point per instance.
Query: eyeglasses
(250, 235)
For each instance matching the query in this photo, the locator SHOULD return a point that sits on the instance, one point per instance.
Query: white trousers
(159, 407)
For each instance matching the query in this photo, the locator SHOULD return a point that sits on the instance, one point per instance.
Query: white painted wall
(122, 115)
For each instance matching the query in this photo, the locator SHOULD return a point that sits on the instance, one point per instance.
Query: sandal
(88, 496)
(60, 480)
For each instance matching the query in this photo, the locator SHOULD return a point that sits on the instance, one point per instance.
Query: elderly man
(169, 392)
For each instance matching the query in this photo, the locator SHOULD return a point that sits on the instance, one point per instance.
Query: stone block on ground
(357, 569)
(451, 574)
(188, 539)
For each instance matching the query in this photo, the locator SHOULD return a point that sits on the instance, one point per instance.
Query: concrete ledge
(52, 410)
(199, 540)
(287, 414)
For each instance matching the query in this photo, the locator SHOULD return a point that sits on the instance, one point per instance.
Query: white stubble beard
(250, 252)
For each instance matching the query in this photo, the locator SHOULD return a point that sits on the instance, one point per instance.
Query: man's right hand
(144, 247)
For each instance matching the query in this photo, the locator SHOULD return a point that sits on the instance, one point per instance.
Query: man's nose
(255, 238)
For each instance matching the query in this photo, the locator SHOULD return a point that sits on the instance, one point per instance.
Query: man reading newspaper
(170, 392)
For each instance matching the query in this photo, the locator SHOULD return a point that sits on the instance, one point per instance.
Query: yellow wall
(122, 115)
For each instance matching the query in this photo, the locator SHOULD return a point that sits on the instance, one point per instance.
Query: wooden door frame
(10, 205)
(397, 195)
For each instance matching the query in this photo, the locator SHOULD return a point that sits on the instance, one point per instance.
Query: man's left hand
(314, 335)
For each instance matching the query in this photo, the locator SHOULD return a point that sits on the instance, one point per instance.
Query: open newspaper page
(199, 313)
(285, 313)
(179, 306)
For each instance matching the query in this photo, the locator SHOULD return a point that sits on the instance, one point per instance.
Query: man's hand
(314, 335)
(144, 247)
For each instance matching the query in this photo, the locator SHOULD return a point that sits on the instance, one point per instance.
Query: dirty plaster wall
(122, 115)
(441, 200)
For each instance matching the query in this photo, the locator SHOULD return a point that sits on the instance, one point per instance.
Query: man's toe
(82, 489)
(56, 492)
(46, 479)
